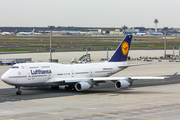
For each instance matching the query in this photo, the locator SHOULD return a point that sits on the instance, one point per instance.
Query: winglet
(174, 74)
(121, 52)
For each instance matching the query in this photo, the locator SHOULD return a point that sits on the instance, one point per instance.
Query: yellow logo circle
(125, 48)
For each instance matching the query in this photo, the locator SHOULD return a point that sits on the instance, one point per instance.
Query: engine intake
(122, 84)
(82, 86)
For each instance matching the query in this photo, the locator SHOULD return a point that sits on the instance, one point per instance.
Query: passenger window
(13, 67)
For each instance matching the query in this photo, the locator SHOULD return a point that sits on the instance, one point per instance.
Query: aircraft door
(90, 72)
(72, 73)
(113, 71)
(29, 76)
(49, 76)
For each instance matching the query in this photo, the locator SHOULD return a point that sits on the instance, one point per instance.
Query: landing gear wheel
(55, 87)
(69, 87)
(18, 92)
(66, 88)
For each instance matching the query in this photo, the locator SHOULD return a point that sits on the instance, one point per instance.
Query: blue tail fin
(121, 52)
(33, 31)
(15, 31)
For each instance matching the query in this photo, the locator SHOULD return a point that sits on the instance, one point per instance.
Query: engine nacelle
(122, 84)
(81, 86)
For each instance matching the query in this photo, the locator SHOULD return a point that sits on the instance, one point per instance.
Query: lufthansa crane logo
(125, 48)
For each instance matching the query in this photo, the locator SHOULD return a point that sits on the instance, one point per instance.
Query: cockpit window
(13, 67)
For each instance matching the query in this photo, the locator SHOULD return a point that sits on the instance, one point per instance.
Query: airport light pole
(86, 53)
(50, 27)
(179, 50)
(165, 29)
(124, 28)
(107, 53)
(107, 48)
(87, 57)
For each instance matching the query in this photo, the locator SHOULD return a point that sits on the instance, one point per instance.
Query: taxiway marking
(109, 113)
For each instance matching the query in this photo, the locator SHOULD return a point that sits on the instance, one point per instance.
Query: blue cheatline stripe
(122, 51)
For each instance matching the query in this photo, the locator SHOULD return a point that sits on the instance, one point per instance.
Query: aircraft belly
(29, 84)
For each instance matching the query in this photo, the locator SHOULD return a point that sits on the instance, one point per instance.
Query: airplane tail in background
(15, 31)
(147, 32)
(121, 52)
(33, 30)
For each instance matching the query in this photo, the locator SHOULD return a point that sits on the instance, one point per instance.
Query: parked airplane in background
(78, 77)
(37, 33)
(142, 33)
(148, 33)
(169, 34)
(155, 33)
(9, 33)
(6, 33)
(27, 33)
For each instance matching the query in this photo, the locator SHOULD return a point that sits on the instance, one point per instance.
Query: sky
(89, 13)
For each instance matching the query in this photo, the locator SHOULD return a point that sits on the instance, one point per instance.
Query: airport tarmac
(145, 100)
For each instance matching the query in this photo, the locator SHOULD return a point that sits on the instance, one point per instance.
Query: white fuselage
(6, 33)
(25, 33)
(37, 74)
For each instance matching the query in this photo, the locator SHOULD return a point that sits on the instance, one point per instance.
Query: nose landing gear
(18, 92)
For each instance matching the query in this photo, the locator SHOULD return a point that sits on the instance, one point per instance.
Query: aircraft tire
(69, 88)
(55, 87)
(18, 93)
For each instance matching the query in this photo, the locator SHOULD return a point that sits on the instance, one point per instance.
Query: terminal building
(107, 31)
(12, 61)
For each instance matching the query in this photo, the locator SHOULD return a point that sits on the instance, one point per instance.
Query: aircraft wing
(119, 78)
(139, 64)
(66, 81)
(130, 78)
(125, 66)
(75, 80)
(81, 84)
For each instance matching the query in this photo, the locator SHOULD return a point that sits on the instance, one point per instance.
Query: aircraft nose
(3, 77)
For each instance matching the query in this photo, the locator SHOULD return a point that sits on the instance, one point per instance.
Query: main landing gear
(70, 87)
(55, 87)
(18, 92)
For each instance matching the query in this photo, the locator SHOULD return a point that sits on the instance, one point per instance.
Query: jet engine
(122, 84)
(81, 86)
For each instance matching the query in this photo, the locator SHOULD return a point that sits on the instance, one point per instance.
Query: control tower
(156, 22)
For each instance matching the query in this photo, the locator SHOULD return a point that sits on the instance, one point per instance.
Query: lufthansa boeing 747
(79, 77)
